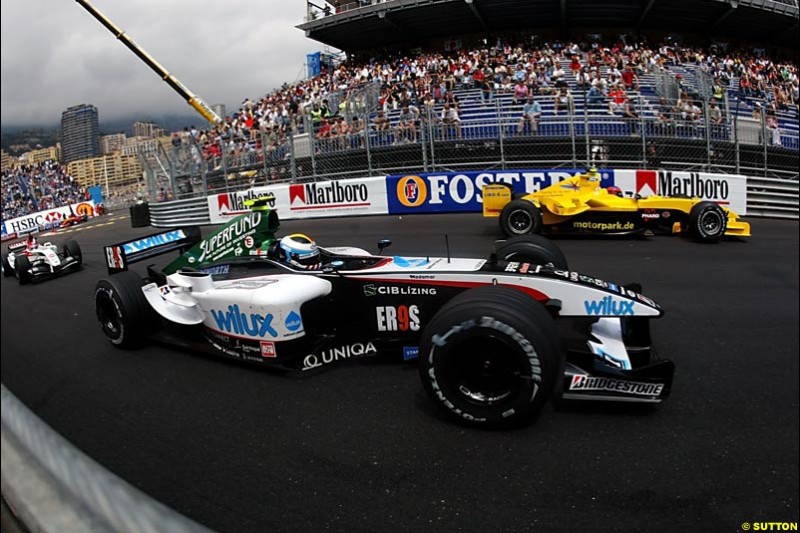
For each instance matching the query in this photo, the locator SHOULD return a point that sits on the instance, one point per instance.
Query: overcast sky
(56, 55)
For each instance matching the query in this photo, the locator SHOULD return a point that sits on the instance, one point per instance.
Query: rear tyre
(122, 310)
(532, 249)
(707, 222)
(22, 269)
(520, 217)
(7, 270)
(73, 249)
(490, 357)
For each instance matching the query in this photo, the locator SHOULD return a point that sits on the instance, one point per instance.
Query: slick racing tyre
(122, 310)
(7, 270)
(22, 268)
(707, 222)
(532, 249)
(520, 217)
(72, 249)
(490, 357)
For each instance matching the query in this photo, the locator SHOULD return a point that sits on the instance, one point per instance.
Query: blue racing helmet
(300, 251)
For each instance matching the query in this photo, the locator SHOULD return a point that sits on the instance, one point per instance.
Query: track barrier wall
(446, 192)
(46, 219)
(460, 192)
(192, 212)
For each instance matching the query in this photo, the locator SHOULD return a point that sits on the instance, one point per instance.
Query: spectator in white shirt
(451, 117)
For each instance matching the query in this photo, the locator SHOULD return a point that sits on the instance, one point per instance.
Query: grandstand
(357, 25)
(283, 135)
(383, 110)
(38, 187)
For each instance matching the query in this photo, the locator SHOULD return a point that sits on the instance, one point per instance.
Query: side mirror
(333, 267)
(383, 243)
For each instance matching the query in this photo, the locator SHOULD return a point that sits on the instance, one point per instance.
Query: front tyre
(520, 217)
(532, 249)
(22, 269)
(7, 270)
(122, 310)
(707, 222)
(73, 249)
(490, 357)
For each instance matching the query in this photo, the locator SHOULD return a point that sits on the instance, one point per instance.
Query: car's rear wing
(17, 246)
(120, 255)
(495, 198)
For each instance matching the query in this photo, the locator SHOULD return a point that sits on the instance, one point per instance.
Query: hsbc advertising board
(729, 190)
(362, 196)
(453, 192)
(48, 218)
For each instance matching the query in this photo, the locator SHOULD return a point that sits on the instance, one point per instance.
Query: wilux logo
(608, 306)
(236, 322)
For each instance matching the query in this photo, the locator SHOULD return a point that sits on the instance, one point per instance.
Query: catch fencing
(491, 133)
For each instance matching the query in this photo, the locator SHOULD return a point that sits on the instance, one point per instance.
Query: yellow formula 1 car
(579, 205)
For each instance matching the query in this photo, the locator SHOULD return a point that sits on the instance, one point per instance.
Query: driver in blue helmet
(299, 251)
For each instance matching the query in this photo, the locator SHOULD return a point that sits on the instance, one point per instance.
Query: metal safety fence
(360, 135)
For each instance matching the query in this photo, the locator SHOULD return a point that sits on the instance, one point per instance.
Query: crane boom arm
(193, 100)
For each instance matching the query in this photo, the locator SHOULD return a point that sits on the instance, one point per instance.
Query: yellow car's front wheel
(707, 222)
(520, 217)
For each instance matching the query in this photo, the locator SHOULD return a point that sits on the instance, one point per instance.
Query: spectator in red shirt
(478, 75)
(324, 131)
(618, 98)
(575, 65)
(630, 79)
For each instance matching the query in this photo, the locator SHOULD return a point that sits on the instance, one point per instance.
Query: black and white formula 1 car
(495, 338)
(32, 261)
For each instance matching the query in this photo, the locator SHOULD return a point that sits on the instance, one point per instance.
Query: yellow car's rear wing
(495, 198)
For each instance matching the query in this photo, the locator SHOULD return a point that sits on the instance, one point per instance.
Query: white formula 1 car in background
(31, 261)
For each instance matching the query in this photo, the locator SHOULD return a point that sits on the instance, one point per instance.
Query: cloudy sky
(56, 55)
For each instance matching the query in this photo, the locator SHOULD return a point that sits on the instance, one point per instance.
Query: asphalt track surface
(361, 448)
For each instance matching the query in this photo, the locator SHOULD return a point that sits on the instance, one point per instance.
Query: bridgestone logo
(589, 383)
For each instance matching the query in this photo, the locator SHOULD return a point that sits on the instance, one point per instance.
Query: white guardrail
(771, 197)
(52, 487)
(192, 212)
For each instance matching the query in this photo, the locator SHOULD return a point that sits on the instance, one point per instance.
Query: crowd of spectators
(30, 188)
(769, 86)
(416, 84)
(389, 98)
(759, 77)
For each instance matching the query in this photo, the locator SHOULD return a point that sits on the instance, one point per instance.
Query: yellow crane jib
(193, 100)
